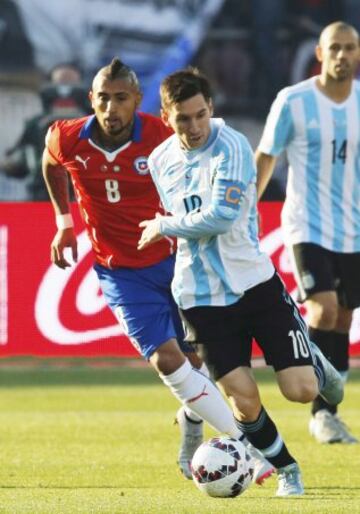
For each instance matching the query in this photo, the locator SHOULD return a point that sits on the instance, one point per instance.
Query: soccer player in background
(106, 158)
(227, 289)
(317, 122)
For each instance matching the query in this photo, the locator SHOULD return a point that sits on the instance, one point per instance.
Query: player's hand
(151, 232)
(63, 239)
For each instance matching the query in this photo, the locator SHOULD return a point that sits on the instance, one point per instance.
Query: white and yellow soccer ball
(222, 467)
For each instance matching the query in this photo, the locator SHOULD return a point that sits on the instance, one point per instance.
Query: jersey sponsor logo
(86, 302)
(83, 161)
(141, 165)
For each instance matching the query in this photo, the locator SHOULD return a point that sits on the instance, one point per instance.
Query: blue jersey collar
(86, 129)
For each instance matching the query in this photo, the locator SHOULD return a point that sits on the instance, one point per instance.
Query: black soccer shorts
(318, 270)
(266, 313)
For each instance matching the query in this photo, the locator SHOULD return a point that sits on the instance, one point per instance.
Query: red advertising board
(45, 311)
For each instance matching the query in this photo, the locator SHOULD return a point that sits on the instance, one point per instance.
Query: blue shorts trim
(141, 300)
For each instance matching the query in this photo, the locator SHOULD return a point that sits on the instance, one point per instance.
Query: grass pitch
(101, 440)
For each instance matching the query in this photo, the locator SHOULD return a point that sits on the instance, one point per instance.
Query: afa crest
(141, 165)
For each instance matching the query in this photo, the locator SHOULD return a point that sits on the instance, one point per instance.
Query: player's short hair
(338, 26)
(182, 85)
(118, 70)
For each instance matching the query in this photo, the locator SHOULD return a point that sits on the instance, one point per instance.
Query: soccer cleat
(262, 467)
(346, 436)
(328, 428)
(289, 480)
(324, 427)
(191, 438)
(333, 388)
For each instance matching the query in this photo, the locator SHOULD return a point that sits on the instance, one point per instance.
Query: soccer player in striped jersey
(106, 157)
(227, 289)
(317, 122)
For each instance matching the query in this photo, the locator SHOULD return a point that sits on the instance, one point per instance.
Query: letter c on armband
(233, 195)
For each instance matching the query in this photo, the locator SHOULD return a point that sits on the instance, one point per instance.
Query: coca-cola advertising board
(45, 311)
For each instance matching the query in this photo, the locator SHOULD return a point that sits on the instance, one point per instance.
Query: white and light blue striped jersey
(211, 194)
(321, 138)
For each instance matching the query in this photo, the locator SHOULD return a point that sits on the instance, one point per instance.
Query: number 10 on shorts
(299, 344)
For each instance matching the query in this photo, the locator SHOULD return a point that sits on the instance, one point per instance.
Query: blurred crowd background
(49, 52)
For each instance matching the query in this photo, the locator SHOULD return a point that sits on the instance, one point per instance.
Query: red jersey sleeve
(62, 137)
(52, 142)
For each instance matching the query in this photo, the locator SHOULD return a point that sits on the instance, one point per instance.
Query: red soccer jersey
(114, 189)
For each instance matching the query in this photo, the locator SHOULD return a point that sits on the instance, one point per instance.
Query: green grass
(81, 440)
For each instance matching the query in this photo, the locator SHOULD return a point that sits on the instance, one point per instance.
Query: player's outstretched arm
(56, 180)
(265, 165)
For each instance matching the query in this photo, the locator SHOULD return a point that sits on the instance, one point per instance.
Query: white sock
(199, 393)
(189, 413)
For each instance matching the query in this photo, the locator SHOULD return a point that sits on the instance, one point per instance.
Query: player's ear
(90, 96)
(165, 117)
(318, 53)
(138, 98)
(211, 107)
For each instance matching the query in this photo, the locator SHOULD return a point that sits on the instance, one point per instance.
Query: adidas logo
(313, 124)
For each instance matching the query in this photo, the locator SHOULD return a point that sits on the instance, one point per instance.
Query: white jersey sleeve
(279, 127)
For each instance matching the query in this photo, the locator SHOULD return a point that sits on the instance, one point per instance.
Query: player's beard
(344, 73)
(120, 132)
(108, 137)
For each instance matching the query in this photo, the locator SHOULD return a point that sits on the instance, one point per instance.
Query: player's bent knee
(303, 395)
(246, 403)
(323, 317)
(298, 384)
(246, 409)
(194, 359)
(300, 392)
(167, 358)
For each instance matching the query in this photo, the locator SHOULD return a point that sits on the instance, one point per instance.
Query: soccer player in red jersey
(106, 158)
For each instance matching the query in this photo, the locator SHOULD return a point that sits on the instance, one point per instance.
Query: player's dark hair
(182, 85)
(118, 70)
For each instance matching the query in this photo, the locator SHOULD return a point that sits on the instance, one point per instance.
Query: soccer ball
(222, 467)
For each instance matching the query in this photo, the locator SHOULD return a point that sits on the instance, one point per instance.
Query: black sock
(320, 404)
(263, 434)
(341, 351)
(324, 340)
